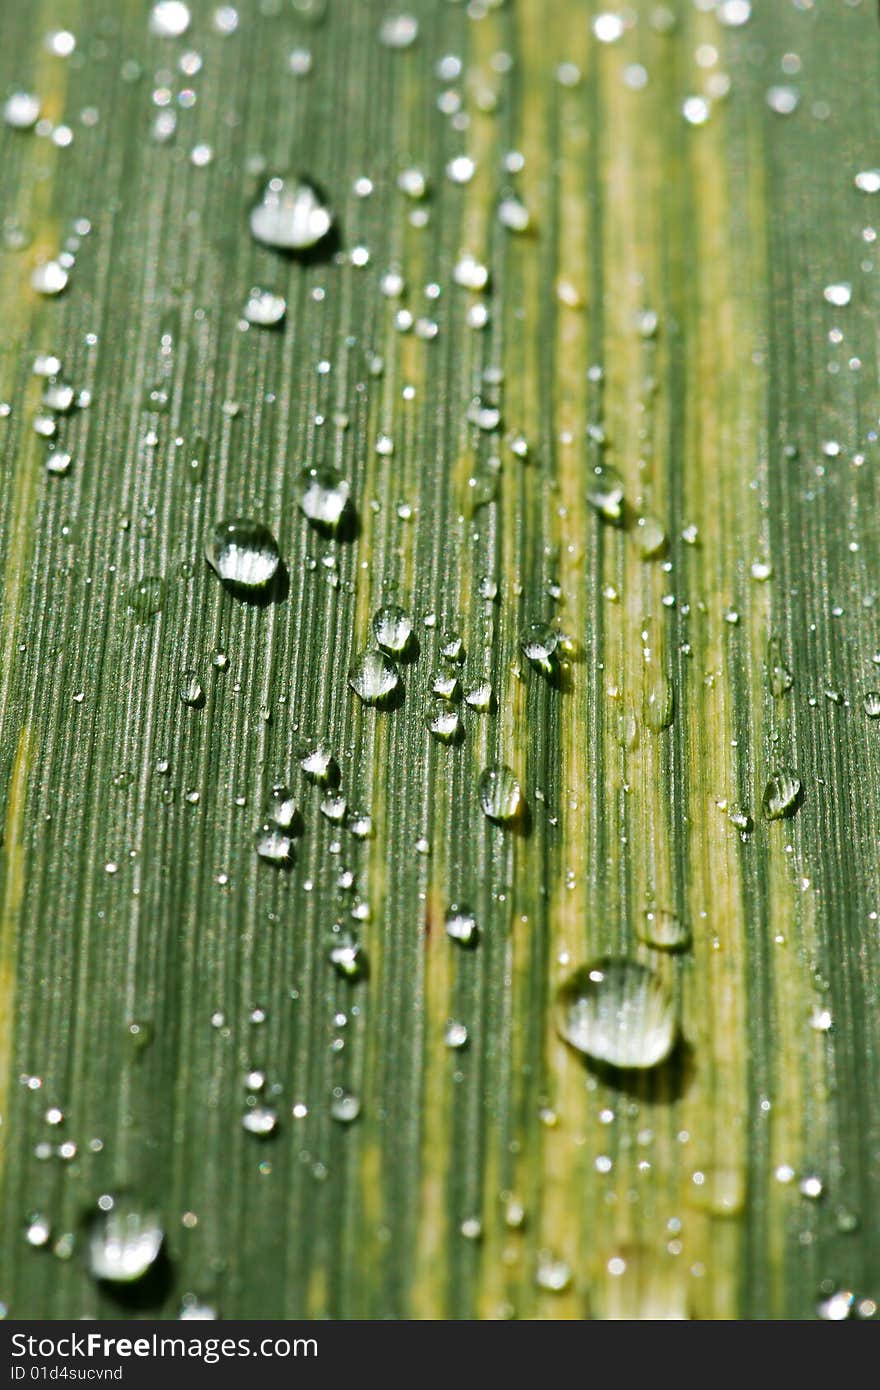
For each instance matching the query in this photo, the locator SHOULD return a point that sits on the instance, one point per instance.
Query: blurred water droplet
(265, 309)
(619, 1012)
(455, 1035)
(839, 295)
(243, 553)
(347, 956)
(782, 794)
(552, 1273)
(37, 1230)
(513, 214)
(124, 1241)
(290, 216)
(392, 629)
(325, 499)
(639, 1285)
(399, 30)
(260, 1121)
(58, 463)
(49, 278)
(838, 1307)
(169, 19)
(664, 930)
(21, 110)
(650, 537)
(374, 678)
(500, 793)
(345, 1108)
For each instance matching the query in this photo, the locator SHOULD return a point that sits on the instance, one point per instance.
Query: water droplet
(319, 765)
(124, 1241)
(192, 691)
(650, 537)
(470, 273)
(640, 1285)
(392, 629)
(659, 706)
(170, 19)
(290, 216)
(605, 494)
(374, 678)
(461, 926)
(539, 643)
(664, 930)
(58, 463)
(347, 955)
(325, 500)
(619, 1012)
(839, 295)
(282, 808)
(872, 704)
(344, 1108)
(399, 30)
(552, 1273)
(243, 553)
(868, 181)
(333, 807)
(479, 696)
(455, 1035)
(513, 214)
(265, 309)
(779, 677)
(37, 1230)
(442, 720)
(500, 794)
(838, 1307)
(145, 598)
(274, 844)
(782, 794)
(21, 110)
(260, 1120)
(49, 278)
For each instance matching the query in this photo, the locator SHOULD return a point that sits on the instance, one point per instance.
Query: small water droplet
(455, 1035)
(347, 956)
(605, 493)
(619, 1012)
(872, 704)
(124, 1241)
(244, 554)
(500, 794)
(145, 597)
(461, 926)
(275, 845)
(319, 765)
(325, 500)
(374, 678)
(659, 708)
(192, 691)
(399, 30)
(260, 1120)
(782, 794)
(392, 629)
(442, 720)
(479, 696)
(664, 930)
(539, 643)
(779, 677)
(345, 1108)
(290, 216)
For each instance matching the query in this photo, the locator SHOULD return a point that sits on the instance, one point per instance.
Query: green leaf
(639, 503)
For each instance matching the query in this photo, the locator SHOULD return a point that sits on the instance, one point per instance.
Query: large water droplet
(500, 793)
(21, 110)
(290, 216)
(325, 499)
(619, 1012)
(782, 794)
(265, 309)
(275, 845)
(374, 678)
(169, 19)
(442, 720)
(244, 554)
(124, 1241)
